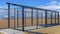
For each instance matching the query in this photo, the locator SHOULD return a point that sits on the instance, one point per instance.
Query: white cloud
(6, 16)
(3, 7)
(53, 5)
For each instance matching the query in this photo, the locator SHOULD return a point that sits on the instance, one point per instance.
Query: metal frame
(46, 18)
(9, 15)
(17, 18)
(37, 19)
(22, 18)
(51, 18)
(55, 17)
(58, 17)
(25, 17)
(14, 19)
(32, 17)
(46, 10)
(41, 18)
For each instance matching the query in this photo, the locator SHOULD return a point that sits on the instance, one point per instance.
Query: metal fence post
(22, 18)
(41, 18)
(9, 15)
(32, 17)
(51, 18)
(25, 19)
(37, 19)
(55, 17)
(17, 18)
(58, 17)
(45, 18)
(14, 19)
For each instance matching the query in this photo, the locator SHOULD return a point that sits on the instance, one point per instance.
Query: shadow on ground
(36, 33)
(49, 25)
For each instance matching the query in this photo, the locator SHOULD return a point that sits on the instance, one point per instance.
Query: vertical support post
(45, 18)
(22, 18)
(14, 19)
(25, 18)
(55, 18)
(58, 17)
(17, 18)
(32, 17)
(37, 19)
(51, 18)
(8, 15)
(41, 18)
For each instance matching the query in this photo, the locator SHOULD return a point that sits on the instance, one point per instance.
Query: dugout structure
(38, 16)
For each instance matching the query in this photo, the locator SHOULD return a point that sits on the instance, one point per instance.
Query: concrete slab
(29, 27)
(11, 31)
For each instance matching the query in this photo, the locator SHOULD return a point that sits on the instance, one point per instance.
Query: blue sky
(27, 2)
(33, 3)
(46, 4)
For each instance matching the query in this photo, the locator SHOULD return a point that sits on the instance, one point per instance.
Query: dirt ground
(49, 30)
(4, 22)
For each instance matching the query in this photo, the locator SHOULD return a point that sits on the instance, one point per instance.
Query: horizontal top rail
(31, 7)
